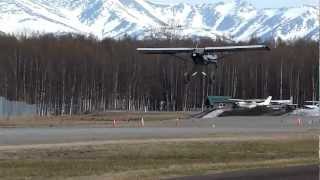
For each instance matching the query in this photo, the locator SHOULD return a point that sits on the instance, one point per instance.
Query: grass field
(90, 119)
(153, 160)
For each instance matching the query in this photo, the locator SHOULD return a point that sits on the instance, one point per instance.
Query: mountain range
(235, 19)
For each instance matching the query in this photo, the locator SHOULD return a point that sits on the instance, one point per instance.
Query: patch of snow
(306, 112)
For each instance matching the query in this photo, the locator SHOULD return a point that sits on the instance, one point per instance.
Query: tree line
(74, 74)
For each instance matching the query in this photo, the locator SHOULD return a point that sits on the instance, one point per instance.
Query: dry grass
(193, 169)
(153, 160)
(100, 119)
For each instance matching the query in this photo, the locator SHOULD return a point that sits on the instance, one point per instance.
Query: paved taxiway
(191, 128)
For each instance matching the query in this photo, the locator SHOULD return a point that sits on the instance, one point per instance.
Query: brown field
(153, 159)
(101, 119)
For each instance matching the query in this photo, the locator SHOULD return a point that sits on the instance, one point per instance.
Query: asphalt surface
(24, 136)
(191, 128)
(292, 173)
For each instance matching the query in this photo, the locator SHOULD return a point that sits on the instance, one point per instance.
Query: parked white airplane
(285, 102)
(315, 105)
(243, 103)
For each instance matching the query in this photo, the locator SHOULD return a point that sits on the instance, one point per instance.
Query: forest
(71, 74)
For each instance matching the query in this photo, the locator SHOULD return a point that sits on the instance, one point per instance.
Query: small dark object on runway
(292, 173)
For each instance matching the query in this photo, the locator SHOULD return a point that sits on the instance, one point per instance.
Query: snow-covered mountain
(142, 18)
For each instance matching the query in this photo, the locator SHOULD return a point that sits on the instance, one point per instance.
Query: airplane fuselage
(203, 59)
(254, 104)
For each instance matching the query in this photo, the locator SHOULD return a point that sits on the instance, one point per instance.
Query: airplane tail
(267, 101)
(291, 100)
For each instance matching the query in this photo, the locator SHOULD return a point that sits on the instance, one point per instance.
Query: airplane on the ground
(283, 102)
(202, 56)
(314, 105)
(252, 103)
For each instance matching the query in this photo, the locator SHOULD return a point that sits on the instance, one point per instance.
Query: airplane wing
(250, 100)
(237, 48)
(165, 50)
(281, 101)
(236, 99)
(206, 49)
(240, 100)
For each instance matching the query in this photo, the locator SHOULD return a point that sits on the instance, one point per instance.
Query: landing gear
(191, 74)
(199, 70)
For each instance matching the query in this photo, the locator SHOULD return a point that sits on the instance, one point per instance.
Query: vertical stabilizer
(291, 100)
(266, 102)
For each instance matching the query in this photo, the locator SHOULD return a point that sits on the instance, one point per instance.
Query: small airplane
(315, 105)
(252, 103)
(284, 102)
(202, 56)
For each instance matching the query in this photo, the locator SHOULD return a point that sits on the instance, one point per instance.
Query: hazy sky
(257, 3)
